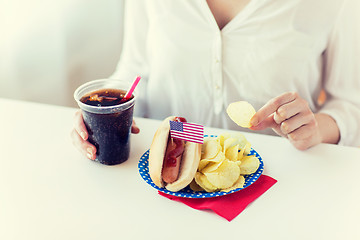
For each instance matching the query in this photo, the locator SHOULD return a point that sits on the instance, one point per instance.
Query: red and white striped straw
(132, 88)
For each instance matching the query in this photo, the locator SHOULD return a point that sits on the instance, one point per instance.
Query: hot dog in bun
(172, 162)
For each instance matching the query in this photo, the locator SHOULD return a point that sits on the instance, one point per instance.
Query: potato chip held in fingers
(241, 113)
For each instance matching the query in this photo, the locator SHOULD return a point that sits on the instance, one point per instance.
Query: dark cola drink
(108, 118)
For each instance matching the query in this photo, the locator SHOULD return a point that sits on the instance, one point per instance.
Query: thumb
(267, 123)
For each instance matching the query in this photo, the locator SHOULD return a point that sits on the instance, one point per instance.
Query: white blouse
(192, 69)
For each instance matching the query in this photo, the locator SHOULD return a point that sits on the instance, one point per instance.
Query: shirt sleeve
(133, 59)
(342, 74)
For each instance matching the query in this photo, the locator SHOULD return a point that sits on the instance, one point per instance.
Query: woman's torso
(270, 47)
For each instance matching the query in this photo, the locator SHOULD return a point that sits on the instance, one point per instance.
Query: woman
(198, 56)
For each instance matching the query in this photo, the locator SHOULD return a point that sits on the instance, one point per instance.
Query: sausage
(172, 159)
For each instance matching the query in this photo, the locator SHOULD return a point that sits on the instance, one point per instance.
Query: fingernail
(89, 150)
(83, 135)
(89, 153)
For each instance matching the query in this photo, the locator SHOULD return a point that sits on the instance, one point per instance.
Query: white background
(48, 48)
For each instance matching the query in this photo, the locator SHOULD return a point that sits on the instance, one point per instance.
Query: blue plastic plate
(187, 192)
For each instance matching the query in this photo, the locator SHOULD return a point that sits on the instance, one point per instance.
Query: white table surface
(50, 191)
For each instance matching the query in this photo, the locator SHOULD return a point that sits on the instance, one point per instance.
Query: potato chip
(204, 183)
(244, 151)
(238, 136)
(241, 154)
(202, 164)
(212, 166)
(211, 149)
(228, 143)
(221, 166)
(247, 149)
(221, 140)
(249, 165)
(241, 113)
(204, 144)
(225, 176)
(232, 153)
(239, 163)
(240, 139)
(195, 187)
(238, 184)
(243, 142)
(219, 157)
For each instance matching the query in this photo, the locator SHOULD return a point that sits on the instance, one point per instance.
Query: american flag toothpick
(187, 131)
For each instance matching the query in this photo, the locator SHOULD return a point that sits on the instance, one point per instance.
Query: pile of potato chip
(224, 161)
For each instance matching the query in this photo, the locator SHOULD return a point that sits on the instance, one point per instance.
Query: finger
(271, 107)
(79, 125)
(83, 146)
(296, 122)
(278, 131)
(302, 144)
(305, 143)
(267, 123)
(289, 110)
(303, 132)
(134, 128)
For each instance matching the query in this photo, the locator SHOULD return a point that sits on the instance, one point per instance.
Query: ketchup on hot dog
(172, 160)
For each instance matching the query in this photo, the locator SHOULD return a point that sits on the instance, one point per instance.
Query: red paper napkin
(229, 206)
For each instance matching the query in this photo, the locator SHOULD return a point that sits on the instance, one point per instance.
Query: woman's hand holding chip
(290, 116)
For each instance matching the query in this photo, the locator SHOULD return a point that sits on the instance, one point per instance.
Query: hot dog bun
(189, 163)
(157, 151)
